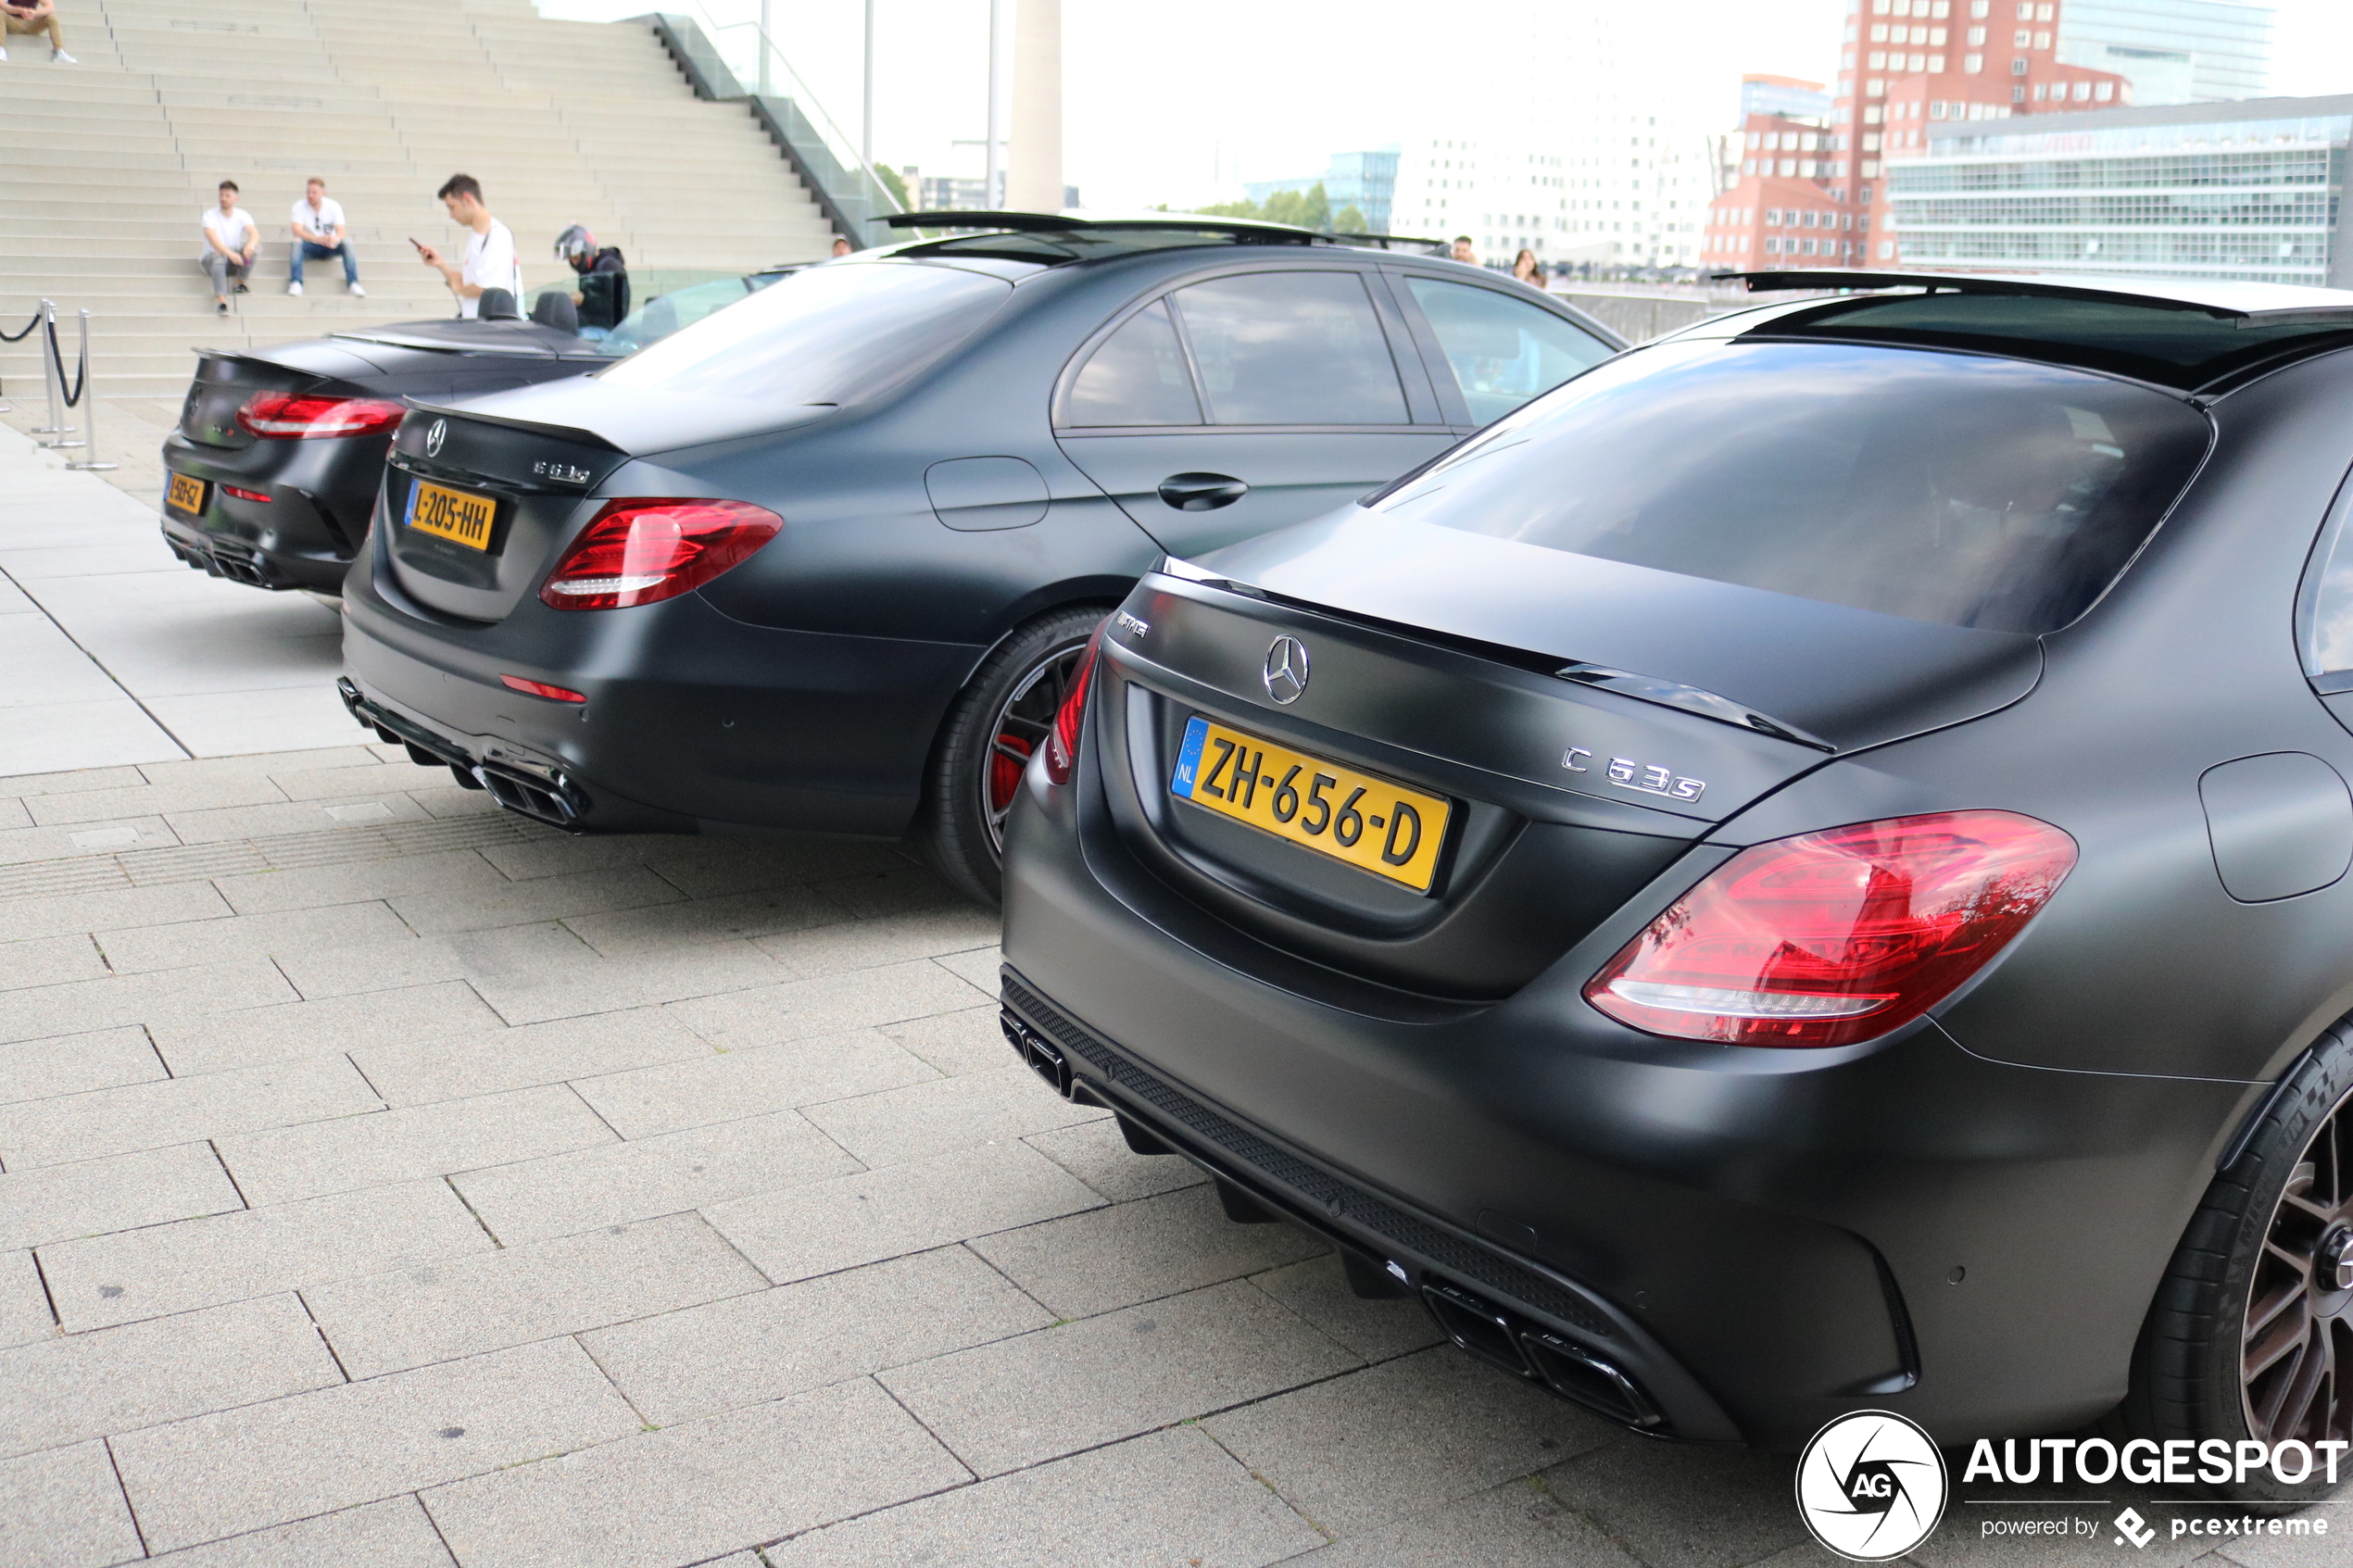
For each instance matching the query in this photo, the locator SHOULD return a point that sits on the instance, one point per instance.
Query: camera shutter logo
(1871, 1486)
(435, 436)
(1286, 672)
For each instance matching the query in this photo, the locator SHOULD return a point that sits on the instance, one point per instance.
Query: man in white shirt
(230, 240)
(489, 261)
(319, 232)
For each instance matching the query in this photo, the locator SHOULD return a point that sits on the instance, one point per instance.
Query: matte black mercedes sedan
(273, 473)
(825, 560)
(1804, 870)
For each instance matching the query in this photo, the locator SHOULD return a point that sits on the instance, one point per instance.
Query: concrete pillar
(1034, 174)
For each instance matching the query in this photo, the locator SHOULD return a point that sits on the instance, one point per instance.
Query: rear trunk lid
(226, 380)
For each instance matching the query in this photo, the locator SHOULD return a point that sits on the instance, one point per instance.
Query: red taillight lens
(541, 689)
(1836, 936)
(244, 495)
(285, 416)
(640, 551)
(1061, 745)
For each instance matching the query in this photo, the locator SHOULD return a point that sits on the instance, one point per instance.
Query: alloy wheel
(2298, 1330)
(1018, 729)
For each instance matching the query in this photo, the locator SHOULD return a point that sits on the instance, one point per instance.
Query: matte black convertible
(1802, 871)
(824, 560)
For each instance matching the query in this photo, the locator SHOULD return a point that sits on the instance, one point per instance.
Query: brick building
(1816, 194)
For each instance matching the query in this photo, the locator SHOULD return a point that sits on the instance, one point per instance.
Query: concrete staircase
(114, 160)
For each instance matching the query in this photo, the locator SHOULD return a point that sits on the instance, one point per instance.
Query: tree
(1349, 219)
(1243, 208)
(1308, 209)
(895, 185)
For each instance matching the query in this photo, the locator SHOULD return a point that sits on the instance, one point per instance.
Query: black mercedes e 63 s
(1804, 870)
(825, 560)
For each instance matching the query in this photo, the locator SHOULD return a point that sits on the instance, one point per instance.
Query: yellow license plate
(185, 494)
(459, 516)
(1362, 818)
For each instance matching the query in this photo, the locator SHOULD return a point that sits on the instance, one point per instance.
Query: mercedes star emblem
(1286, 672)
(435, 436)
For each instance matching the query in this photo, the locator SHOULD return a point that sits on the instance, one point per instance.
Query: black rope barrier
(82, 369)
(19, 337)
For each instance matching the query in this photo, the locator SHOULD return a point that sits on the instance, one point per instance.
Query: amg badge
(562, 473)
(1647, 777)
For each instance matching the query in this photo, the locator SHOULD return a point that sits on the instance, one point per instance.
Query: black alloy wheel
(997, 725)
(2251, 1331)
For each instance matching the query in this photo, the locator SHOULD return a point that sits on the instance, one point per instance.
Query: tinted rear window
(1953, 488)
(831, 334)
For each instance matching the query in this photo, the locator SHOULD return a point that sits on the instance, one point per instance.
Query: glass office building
(1366, 181)
(2172, 51)
(2249, 190)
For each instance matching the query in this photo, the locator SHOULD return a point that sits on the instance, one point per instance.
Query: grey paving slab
(294, 1030)
(871, 943)
(796, 1337)
(726, 1085)
(117, 1192)
(536, 954)
(26, 846)
(745, 915)
(436, 1067)
(863, 999)
(1171, 1498)
(80, 1006)
(241, 1470)
(49, 1131)
(451, 873)
(1404, 1435)
(1098, 1155)
(1377, 1330)
(823, 1227)
(50, 960)
(894, 1125)
(104, 1059)
(247, 937)
(92, 734)
(722, 1483)
(71, 914)
(701, 867)
(24, 1301)
(1708, 1508)
(1017, 1402)
(441, 1311)
(392, 1534)
(1518, 1525)
(437, 910)
(1130, 1252)
(231, 823)
(65, 1389)
(359, 774)
(896, 887)
(72, 781)
(596, 983)
(64, 1509)
(14, 815)
(183, 789)
(175, 1268)
(618, 1183)
(981, 968)
(418, 1140)
(968, 1040)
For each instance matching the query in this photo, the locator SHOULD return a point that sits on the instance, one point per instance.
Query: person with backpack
(602, 299)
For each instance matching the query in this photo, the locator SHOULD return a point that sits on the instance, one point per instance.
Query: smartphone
(412, 240)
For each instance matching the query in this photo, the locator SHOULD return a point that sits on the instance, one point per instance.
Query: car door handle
(1201, 492)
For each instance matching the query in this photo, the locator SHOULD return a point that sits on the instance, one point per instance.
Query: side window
(1503, 351)
(1291, 348)
(1138, 377)
(2325, 634)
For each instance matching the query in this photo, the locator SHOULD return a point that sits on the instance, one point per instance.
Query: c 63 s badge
(1871, 1487)
(1647, 778)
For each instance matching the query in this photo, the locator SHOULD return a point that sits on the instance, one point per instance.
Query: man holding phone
(319, 233)
(489, 261)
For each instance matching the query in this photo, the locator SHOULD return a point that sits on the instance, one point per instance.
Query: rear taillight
(286, 416)
(1836, 936)
(1061, 743)
(540, 688)
(637, 552)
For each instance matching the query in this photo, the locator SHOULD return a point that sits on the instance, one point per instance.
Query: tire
(997, 722)
(2292, 1185)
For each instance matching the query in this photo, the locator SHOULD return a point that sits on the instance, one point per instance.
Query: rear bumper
(1761, 1240)
(303, 536)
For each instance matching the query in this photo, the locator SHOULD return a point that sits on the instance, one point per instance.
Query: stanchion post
(56, 425)
(63, 441)
(89, 463)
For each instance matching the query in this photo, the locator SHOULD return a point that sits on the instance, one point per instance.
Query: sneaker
(294, 288)
(356, 289)
(244, 289)
(4, 54)
(220, 307)
(60, 58)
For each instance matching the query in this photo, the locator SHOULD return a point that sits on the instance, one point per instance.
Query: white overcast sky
(1176, 100)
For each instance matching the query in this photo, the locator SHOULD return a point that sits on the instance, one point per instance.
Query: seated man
(231, 240)
(319, 232)
(37, 16)
(602, 298)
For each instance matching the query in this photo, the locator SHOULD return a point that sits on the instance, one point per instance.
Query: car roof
(1059, 239)
(2194, 336)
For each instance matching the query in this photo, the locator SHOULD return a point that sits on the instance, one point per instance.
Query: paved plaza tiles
(386, 1182)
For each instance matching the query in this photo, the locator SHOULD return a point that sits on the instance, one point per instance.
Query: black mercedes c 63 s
(1804, 870)
(273, 473)
(824, 560)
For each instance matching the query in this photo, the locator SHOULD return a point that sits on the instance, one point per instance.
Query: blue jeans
(305, 251)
